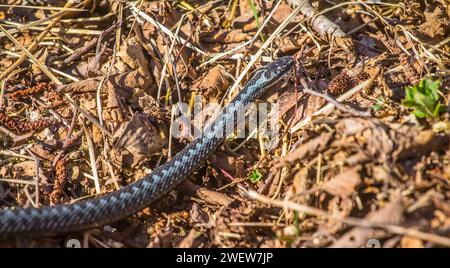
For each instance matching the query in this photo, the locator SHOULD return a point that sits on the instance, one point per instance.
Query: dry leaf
(138, 140)
(344, 183)
(392, 213)
(436, 23)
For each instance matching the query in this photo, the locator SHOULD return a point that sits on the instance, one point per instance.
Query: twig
(57, 82)
(25, 182)
(88, 116)
(51, 111)
(43, 7)
(92, 158)
(331, 100)
(68, 76)
(168, 57)
(31, 56)
(16, 138)
(105, 33)
(67, 141)
(330, 106)
(36, 177)
(14, 154)
(58, 29)
(25, 190)
(320, 23)
(81, 51)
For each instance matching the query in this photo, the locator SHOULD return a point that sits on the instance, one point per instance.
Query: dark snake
(96, 212)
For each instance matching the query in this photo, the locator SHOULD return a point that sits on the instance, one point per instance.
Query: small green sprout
(424, 99)
(255, 176)
(379, 104)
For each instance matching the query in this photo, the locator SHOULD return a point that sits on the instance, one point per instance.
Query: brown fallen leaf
(392, 213)
(212, 83)
(282, 12)
(132, 55)
(138, 139)
(246, 22)
(436, 23)
(312, 147)
(344, 183)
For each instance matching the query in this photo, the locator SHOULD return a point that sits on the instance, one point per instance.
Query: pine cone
(339, 84)
(361, 77)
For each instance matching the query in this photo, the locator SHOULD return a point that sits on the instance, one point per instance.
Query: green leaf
(424, 99)
(255, 176)
(255, 14)
(379, 104)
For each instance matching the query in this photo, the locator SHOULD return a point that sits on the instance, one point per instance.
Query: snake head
(271, 73)
(281, 65)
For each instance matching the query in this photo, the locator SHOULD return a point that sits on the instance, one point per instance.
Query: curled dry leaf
(344, 183)
(413, 141)
(436, 23)
(283, 11)
(132, 55)
(137, 140)
(213, 82)
(197, 215)
(246, 22)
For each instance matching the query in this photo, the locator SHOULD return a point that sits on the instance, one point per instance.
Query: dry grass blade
(164, 29)
(92, 158)
(35, 43)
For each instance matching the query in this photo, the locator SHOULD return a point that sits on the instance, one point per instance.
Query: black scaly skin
(113, 206)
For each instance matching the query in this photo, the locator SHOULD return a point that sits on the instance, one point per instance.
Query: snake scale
(132, 198)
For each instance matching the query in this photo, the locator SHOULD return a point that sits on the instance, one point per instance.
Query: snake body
(132, 198)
